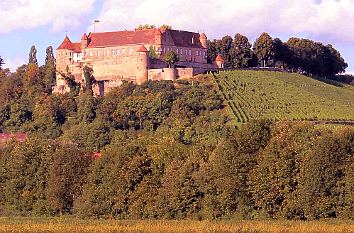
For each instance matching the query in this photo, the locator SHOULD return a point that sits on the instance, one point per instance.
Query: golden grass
(73, 225)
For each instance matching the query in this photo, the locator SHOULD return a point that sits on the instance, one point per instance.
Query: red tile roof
(106, 39)
(158, 32)
(67, 44)
(145, 36)
(84, 37)
(143, 49)
(219, 58)
(20, 137)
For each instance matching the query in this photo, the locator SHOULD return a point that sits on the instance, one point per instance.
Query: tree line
(296, 55)
(167, 152)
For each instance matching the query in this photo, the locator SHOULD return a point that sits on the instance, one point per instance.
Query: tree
(212, 51)
(49, 76)
(225, 46)
(165, 27)
(263, 48)
(152, 52)
(171, 58)
(66, 176)
(32, 58)
(241, 51)
(89, 79)
(1, 62)
(282, 54)
(145, 26)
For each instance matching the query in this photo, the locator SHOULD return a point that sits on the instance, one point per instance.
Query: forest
(162, 150)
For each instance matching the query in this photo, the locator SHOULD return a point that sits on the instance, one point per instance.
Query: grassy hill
(284, 96)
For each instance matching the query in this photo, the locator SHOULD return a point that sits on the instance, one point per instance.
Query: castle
(135, 56)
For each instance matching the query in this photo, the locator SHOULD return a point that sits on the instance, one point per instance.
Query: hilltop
(284, 96)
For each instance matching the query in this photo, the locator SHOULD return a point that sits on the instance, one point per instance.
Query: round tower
(219, 61)
(203, 40)
(142, 65)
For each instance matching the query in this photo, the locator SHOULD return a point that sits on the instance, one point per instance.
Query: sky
(46, 22)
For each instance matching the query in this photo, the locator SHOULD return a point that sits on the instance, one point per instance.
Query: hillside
(284, 96)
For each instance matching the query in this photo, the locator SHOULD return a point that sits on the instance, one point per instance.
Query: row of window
(118, 52)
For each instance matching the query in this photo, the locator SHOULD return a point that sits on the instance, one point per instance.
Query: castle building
(135, 56)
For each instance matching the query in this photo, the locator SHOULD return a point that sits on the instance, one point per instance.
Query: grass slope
(284, 96)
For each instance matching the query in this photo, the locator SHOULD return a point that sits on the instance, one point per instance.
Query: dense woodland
(168, 151)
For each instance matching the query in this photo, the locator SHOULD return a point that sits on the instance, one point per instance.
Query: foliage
(1, 62)
(165, 27)
(145, 26)
(49, 66)
(171, 58)
(166, 150)
(296, 55)
(241, 52)
(32, 57)
(263, 48)
(152, 52)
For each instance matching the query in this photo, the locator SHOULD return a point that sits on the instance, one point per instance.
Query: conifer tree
(1, 62)
(49, 77)
(32, 58)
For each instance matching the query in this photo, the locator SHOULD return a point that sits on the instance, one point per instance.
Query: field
(284, 96)
(72, 225)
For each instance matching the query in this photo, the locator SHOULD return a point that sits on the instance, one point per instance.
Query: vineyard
(284, 96)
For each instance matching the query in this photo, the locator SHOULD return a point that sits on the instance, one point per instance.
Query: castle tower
(203, 40)
(158, 41)
(219, 61)
(142, 67)
(84, 42)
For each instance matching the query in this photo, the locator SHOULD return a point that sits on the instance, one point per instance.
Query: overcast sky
(45, 22)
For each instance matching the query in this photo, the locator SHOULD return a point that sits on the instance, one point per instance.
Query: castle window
(204, 54)
(113, 53)
(98, 53)
(192, 40)
(118, 52)
(130, 51)
(190, 52)
(196, 53)
(123, 51)
(181, 51)
(177, 50)
(90, 53)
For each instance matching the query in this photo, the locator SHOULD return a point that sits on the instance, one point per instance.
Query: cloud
(29, 14)
(13, 63)
(329, 19)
